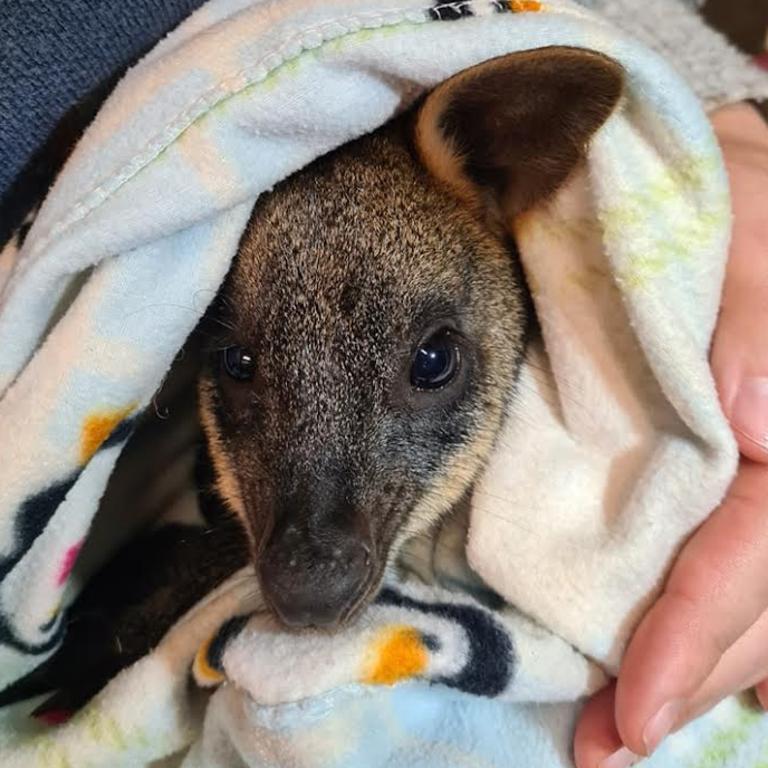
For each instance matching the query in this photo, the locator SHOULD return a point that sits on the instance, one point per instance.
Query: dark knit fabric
(58, 60)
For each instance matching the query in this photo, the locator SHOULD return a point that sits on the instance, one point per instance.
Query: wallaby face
(371, 329)
(374, 328)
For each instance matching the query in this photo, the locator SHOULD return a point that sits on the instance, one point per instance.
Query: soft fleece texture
(618, 450)
(56, 56)
(60, 59)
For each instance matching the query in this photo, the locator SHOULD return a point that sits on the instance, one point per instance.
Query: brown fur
(342, 272)
(505, 134)
(333, 314)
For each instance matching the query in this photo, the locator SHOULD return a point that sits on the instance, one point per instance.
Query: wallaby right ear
(506, 133)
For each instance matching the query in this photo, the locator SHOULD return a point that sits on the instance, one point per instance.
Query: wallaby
(368, 338)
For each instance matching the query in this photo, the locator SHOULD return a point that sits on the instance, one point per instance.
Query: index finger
(716, 590)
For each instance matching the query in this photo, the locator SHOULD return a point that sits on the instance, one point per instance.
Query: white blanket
(616, 451)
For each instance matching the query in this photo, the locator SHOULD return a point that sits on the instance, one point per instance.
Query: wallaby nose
(314, 584)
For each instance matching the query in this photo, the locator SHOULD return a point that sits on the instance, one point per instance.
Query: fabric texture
(55, 55)
(61, 58)
(616, 448)
(718, 72)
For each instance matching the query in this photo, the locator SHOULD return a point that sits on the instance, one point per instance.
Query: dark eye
(436, 361)
(238, 363)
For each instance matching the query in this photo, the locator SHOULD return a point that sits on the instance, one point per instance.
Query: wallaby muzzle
(318, 563)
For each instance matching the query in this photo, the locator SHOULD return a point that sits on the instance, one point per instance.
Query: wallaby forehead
(361, 232)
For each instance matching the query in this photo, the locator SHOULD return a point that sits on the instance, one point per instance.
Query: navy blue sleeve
(58, 60)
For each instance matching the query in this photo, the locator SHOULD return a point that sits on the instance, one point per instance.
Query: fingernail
(621, 759)
(749, 412)
(659, 726)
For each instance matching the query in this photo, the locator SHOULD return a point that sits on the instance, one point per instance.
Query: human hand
(706, 636)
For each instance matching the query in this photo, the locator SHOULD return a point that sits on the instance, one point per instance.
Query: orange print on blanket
(97, 428)
(398, 653)
(520, 6)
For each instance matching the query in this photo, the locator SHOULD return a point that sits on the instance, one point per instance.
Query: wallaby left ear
(508, 132)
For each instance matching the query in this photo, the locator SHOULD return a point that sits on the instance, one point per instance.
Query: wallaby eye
(436, 361)
(238, 363)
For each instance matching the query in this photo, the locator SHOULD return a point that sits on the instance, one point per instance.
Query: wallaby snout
(318, 559)
(315, 580)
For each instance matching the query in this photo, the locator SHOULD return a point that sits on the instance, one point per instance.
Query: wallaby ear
(508, 132)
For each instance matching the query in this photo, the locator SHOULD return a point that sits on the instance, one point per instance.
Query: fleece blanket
(617, 451)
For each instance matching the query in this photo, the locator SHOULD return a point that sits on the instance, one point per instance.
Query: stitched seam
(207, 101)
(202, 105)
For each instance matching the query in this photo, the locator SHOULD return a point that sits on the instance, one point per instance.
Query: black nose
(310, 583)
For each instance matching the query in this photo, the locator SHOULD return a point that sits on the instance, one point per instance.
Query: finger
(740, 344)
(597, 743)
(717, 589)
(596, 737)
(742, 666)
(739, 362)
